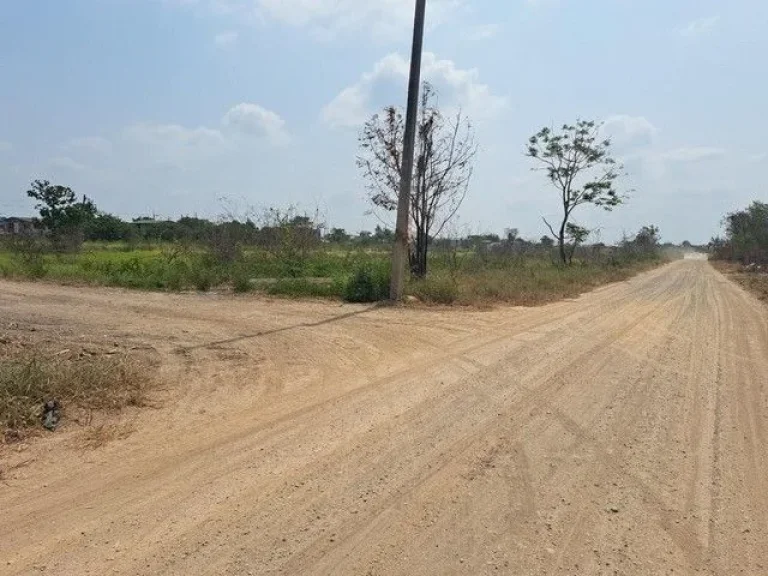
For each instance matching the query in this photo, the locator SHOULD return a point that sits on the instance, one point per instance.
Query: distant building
(15, 226)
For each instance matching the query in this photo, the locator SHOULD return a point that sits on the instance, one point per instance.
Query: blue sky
(168, 106)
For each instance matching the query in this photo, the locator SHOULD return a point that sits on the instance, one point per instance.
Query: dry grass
(531, 283)
(755, 282)
(28, 379)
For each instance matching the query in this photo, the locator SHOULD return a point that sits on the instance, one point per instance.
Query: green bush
(28, 257)
(438, 289)
(369, 283)
(203, 278)
(241, 280)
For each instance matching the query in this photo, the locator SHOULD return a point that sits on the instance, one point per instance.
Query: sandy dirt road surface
(624, 432)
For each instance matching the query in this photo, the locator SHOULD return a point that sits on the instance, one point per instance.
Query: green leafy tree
(384, 235)
(337, 236)
(747, 233)
(648, 237)
(108, 228)
(60, 210)
(575, 236)
(578, 164)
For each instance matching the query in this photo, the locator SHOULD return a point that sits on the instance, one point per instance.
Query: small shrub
(369, 283)
(241, 280)
(438, 289)
(175, 277)
(28, 255)
(202, 278)
(96, 382)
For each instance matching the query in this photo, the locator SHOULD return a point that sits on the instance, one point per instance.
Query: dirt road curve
(621, 433)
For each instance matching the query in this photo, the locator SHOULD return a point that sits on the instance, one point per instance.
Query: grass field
(456, 277)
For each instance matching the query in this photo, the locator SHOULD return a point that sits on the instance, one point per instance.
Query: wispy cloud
(699, 27)
(693, 154)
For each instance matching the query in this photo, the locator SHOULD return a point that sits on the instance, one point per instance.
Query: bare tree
(579, 165)
(445, 150)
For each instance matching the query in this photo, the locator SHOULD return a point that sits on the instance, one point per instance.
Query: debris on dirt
(51, 415)
(12, 436)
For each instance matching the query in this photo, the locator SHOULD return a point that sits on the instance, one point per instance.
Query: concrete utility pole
(400, 251)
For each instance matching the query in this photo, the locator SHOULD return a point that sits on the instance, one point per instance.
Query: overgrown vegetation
(29, 380)
(746, 236)
(473, 270)
(754, 280)
(531, 276)
(743, 252)
(287, 254)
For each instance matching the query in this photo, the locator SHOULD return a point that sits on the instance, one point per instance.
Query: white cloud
(254, 120)
(629, 132)
(658, 164)
(699, 26)
(181, 147)
(757, 158)
(456, 87)
(226, 39)
(692, 154)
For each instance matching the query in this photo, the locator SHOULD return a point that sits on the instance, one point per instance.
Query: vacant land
(620, 433)
(468, 277)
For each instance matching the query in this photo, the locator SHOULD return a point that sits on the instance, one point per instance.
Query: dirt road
(621, 433)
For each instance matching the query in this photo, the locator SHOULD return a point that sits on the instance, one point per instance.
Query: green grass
(457, 277)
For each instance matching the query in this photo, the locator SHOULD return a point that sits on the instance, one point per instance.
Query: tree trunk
(561, 243)
(419, 255)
